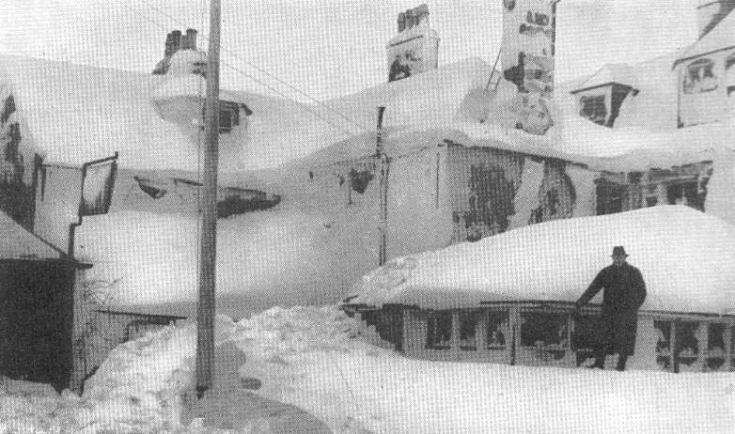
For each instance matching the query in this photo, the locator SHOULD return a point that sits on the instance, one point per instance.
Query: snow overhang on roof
(620, 74)
(687, 259)
(18, 244)
(720, 38)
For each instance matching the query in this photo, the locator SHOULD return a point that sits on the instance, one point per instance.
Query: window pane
(688, 341)
(715, 347)
(700, 77)
(663, 344)
(497, 330)
(468, 330)
(544, 329)
(439, 331)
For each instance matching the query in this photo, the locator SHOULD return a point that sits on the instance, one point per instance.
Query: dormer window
(700, 77)
(199, 68)
(229, 116)
(593, 108)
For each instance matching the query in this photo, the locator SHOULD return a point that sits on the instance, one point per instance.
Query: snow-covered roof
(719, 38)
(687, 259)
(576, 140)
(427, 99)
(18, 243)
(620, 73)
(419, 114)
(77, 113)
(652, 108)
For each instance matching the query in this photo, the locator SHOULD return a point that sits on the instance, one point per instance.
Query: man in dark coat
(624, 294)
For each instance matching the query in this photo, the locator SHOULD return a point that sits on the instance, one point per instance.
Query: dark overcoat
(625, 292)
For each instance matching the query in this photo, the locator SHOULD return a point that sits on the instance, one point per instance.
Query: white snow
(722, 36)
(526, 199)
(18, 243)
(284, 257)
(322, 361)
(685, 256)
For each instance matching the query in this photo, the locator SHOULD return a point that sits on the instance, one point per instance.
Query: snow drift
(686, 258)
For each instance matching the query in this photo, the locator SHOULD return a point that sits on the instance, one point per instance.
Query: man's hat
(619, 251)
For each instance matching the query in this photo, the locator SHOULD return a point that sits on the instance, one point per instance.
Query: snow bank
(320, 360)
(285, 257)
(686, 258)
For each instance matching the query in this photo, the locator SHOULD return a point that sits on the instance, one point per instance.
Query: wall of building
(707, 88)
(419, 206)
(493, 191)
(483, 183)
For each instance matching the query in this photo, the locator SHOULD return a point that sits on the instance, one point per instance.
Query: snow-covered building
(490, 301)
(153, 122)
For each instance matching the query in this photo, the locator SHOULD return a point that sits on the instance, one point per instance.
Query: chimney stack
(415, 49)
(176, 41)
(711, 12)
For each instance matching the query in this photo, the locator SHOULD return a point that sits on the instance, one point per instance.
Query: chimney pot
(176, 38)
(169, 45)
(191, 36)
(401, 22)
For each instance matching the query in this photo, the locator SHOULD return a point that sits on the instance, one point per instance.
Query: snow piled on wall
(585, 191)
(280, 257)
(526, 199)
(720, 199)
(685, 256)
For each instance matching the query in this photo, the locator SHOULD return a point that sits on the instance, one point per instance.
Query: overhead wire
(272, 76)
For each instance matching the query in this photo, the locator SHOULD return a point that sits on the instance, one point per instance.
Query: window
(545, 330)
(593, 108)
(609, 197)
(439, 331)
(715, 347)
(686, 193)
(700, 77)
(229, 116)
(663, 344)
(468, 331)
(497, 330)
(687, 346)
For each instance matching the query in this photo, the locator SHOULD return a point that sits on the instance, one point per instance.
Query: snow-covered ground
(322, 361)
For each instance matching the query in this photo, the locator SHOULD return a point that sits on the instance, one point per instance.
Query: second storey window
(700, 77)
(229, 116)
(593, 108)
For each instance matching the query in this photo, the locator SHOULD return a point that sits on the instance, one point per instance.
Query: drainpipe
(384, 168)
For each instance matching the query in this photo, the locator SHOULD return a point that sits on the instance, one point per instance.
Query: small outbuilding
(509, 298)
(37, 288)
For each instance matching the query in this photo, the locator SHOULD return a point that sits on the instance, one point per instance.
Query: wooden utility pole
(383, 190)
(208, 242)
